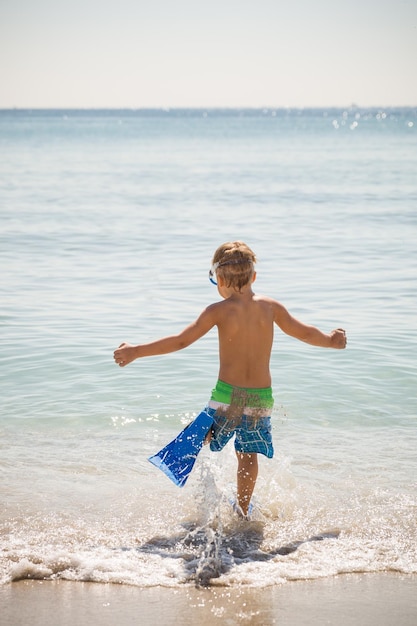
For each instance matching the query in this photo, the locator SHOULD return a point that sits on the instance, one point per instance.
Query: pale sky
(189, 53)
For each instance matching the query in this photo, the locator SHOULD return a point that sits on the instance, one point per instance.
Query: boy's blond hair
(234, 262)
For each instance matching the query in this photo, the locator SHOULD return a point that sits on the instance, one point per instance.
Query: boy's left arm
(126, 353)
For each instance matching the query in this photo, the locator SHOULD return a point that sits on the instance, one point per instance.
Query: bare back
(246, 328)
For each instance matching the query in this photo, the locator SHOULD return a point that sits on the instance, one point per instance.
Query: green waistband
(242, 396)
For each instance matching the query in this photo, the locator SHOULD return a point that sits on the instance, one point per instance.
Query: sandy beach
(366, 599)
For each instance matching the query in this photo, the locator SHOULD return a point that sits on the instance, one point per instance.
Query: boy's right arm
(309, 334)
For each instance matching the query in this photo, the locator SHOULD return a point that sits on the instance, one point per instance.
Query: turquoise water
(109, 220)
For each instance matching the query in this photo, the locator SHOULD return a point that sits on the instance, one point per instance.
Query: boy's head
(234, 262)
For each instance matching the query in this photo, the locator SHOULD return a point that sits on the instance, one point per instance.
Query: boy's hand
(338, 339)
(124, 354)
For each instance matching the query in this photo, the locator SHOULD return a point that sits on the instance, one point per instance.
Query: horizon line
(167, 109)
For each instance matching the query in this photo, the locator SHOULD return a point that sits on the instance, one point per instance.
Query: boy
(241, 403)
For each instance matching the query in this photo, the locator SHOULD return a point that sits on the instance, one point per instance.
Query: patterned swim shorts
(245, 413)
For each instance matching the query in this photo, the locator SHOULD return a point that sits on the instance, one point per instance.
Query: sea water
(109, 220)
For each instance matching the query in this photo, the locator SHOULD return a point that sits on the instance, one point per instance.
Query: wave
(291, 536)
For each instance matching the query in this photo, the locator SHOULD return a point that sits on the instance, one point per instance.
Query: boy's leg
(247, 473)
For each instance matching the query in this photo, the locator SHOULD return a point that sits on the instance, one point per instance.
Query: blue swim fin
(177, 459)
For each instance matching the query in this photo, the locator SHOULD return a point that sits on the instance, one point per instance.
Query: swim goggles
(212, 273)
(214, 267)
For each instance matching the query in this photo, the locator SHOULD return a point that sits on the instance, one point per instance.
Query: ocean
(109, 220)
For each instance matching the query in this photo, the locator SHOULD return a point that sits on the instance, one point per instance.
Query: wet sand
(386, 599)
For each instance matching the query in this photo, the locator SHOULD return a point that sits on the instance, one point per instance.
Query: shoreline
(385, 599)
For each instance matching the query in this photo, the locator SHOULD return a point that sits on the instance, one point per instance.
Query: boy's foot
(237, 509)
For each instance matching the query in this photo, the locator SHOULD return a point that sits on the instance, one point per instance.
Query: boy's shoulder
(223, 305)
